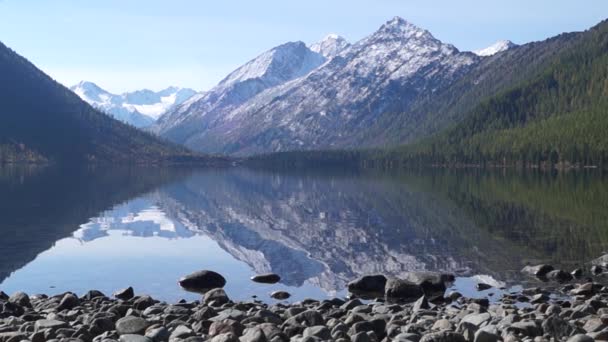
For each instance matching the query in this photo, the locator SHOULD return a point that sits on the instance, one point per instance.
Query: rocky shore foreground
(416, 308)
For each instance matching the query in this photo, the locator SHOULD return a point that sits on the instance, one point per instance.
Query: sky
(124, 45)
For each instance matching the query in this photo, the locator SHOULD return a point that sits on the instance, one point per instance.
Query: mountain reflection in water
(318, 230)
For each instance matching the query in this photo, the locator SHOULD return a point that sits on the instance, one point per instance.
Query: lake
(96, 228)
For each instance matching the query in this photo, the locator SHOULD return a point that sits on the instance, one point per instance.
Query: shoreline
(417, 308)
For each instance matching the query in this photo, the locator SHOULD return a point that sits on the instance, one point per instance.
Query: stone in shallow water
(368, 284)
(202, 281)
(538, 270)
(402, 289)
(268, 278)
(559, 276)
(280, 295)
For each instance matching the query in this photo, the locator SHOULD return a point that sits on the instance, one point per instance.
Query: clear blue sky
(131, 44)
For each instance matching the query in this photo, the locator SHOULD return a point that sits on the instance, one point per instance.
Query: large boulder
(202, 281)
(539, 271)
(402, 290)
(369, 284)
(431, 283)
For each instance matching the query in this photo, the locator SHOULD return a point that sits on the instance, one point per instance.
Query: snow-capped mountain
(332, 105)
(499, 46)
(274, 67)
(140, 108)
(330, 46)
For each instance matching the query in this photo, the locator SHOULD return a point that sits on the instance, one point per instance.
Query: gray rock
(134, 338)
(476, 319)
(360, 337)
(131, 325)
(20, 298)
(487, 334)
(369, 284)
(559, 276)
(216, 295)
(407, 337)
(125, 294)
(51, 324)
(181, 332)
(227, 337)
(280, 295)
(12, 336)
(159, 334)
(351, 304)
(202, 281)
(421, 304)
(431, 283)
(443, 336)
(319, 331)
(402, 289)
(68, 302)
(580, 338)
(268, 278)
(526, 328)
(538, 270)
(556, 327)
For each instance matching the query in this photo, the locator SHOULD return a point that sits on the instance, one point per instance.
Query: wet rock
(125, 294)
(538, 270)
(431, 283)
(280, 295)
(319, 331)
(483, 287)
(421, 304)
(268, 278)
(369, 284)
(577, 273)
(559, 276)
(202, 281)
(596, 269)
(402, 289)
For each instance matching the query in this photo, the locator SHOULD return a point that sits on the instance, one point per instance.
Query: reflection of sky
(136, 244)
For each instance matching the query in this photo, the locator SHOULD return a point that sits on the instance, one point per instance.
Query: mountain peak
(401, 28)
(499, 46)
(330, 46)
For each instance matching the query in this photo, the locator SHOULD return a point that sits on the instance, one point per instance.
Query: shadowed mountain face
(314, 229)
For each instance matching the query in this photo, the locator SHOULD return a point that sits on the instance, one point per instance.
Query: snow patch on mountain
(330, 46)
(140, 108)
(499, 46)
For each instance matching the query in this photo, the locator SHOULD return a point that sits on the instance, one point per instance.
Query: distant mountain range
(42, 121)
(329, 102)
(139, 108)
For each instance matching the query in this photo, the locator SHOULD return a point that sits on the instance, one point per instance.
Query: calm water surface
(75, 230)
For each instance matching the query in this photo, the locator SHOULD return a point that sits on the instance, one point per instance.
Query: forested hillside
(559, 116)
(40, 120)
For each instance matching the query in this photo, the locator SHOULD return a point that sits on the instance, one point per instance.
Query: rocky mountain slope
(207, 110)
(140, 108)
(328, 107)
